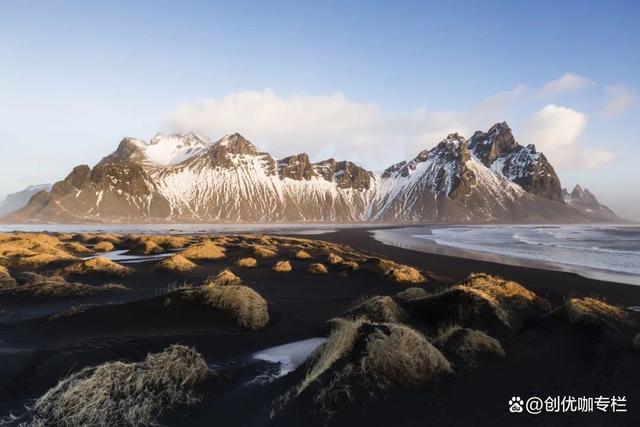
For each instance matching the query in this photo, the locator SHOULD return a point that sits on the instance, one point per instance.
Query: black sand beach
(546, 355)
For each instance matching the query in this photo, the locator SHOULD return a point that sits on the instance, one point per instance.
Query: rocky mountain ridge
(186, 178)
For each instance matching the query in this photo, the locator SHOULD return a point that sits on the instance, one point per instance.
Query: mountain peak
(237, 144)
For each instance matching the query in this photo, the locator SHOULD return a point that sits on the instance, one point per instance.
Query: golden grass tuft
(592, 311)
(466, 346)
(176, 263)
(103, 247)
(339, 343)
(334, 259)
(118, 393)
(302, 254)
(241, 303)
(506, 292)
(205, 251)
(411, 294)
(146, 247)
(98, 265)
(6, 280)
(401, 356)
(381, 309)
(405, 274)
(224, 278)
(317, 268)
(351, 265)
(247, 262)
(264, 251)
(32, 250)
(282, 267)
(76, 248)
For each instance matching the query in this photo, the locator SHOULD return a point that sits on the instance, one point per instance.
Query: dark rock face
(499, 151)
(490, 178)
(296, 167)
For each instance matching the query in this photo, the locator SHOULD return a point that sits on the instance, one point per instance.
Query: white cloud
(569, 82)
(556, 131)
(334, 126)
(618, 99)
(321, 125)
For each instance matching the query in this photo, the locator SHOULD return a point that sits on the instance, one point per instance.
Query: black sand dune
(545, 353)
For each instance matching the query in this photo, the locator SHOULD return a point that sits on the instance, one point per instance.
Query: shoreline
(452, 268)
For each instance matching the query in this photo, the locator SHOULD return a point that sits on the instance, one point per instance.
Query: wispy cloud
(569, 82)
(618, 99)
(334, 126)
(556, 131)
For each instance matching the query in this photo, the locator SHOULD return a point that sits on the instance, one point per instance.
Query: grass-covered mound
(302, 254)
(593, 311)
(282, 267)
(334, 259)
(362, 359)
(32, 250)
(264, 251)
(317, 268)
(119, 393)
(145, 247)
(39, 285)
(468, 347)
(98, 265)
(104, 246)
(381, 309)
(77, 248)
(6, 280)
(204, 251)
(241, 303)
(411, 294)
(247, 262)
(176, 263)
(224, 278)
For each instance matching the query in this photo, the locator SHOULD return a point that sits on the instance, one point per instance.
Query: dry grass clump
(241, 303)
(264, 251)
(282, 267)
(205, 251)
(399, 355)
(77, 248)
(351, 265)
(411, 294)
(171, 242)
(118, 393)
(317, 268)
(32, 250)
(405, 274)
(460, 305)
(511, 294)
(364, 357)
(247, 262)
(56, 286)
(224, 278)
(467, 346)
(146, 247)
(302, 254)
(334, 259)
(6, 281)
(103, 247)
(65, 236)
(381, 309)
(593, 311)
(383, 265)
(98, 265)
(176, 263)
(100, 237)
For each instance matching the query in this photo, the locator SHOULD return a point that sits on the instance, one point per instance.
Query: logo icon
(515, 405)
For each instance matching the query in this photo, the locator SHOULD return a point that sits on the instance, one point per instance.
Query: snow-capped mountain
(17, 200)
(185, 178)
(584, 201)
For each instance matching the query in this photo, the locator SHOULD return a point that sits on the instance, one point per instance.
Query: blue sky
(372, 81)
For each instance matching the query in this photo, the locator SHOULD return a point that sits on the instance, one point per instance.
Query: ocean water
(606, 252)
